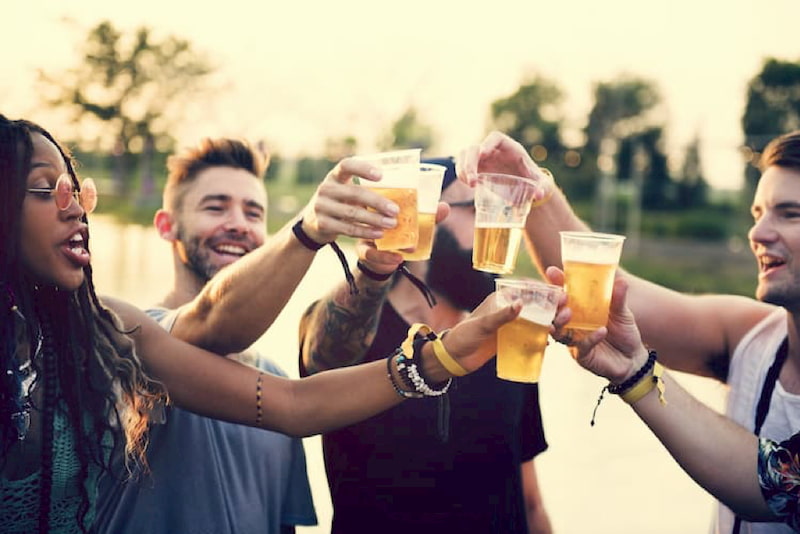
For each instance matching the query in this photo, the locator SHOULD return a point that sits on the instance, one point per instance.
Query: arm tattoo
(342, 327)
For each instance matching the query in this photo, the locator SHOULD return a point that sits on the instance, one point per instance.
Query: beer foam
(538, 315)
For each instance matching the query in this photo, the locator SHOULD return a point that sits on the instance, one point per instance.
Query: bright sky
(297, 72)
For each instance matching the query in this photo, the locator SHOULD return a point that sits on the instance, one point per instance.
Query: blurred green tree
(772, 109)
(532, 115)
(134, 87)
(408, 131)
(692, 188)
(624, 142)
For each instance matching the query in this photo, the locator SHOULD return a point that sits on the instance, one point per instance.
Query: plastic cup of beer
(428, 193)
(502, 203)
(399, 184)
(590, 261)
(521, 342)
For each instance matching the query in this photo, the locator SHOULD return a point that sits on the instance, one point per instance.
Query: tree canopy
(133, 87)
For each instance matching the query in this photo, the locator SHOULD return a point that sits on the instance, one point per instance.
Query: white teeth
(231, 249)
(78, 237)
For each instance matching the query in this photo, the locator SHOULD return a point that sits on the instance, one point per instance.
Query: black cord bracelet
(313, 246)
(303, 237)
(372, 275)
(619, 389)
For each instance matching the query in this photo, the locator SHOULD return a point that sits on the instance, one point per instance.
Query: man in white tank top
(731, 338)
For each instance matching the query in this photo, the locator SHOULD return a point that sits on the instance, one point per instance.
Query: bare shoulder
(128, 314)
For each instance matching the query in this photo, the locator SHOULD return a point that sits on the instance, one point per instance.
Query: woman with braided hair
(79, 375)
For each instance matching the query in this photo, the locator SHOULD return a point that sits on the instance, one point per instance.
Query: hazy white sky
(297, 72)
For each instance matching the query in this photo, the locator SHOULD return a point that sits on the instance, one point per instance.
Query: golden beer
(520, 350)
(496, 247)
(406, 233)
(427, 226)
(589, 287)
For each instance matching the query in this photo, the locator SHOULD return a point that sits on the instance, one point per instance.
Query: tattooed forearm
(342, 327)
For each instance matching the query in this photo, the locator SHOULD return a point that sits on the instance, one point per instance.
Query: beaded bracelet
(417, 357)
(400, 391)
(619, 389)
(259, 412)
(638, 385)
(439, 350)
(646, 385)
(408, 369)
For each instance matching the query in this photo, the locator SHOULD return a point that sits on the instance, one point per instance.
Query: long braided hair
(88, 368)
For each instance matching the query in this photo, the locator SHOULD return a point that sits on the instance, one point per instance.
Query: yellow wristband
(645, 385)
(408, 344)
(444, 357)
(551, 189)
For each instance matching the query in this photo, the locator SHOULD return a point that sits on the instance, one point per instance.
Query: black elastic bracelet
(372, 275)
(619, 389)
(303, 237)
(411, 394)
(634, 379)
(417, 357)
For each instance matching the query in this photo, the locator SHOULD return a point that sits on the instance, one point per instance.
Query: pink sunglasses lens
(63, 192)
(88, 195)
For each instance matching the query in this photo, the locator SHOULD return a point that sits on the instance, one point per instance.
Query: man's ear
(165, 224)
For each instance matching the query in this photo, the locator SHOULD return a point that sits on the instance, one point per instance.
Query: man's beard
(198, 256)
(450, 273)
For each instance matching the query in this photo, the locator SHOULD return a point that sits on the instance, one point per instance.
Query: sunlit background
(296, 73)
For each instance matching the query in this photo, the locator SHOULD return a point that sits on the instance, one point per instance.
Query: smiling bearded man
(208, 475)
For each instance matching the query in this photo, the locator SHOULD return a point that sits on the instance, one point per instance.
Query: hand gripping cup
(502, 203)
(428, 193)
(399, 184)
(521, 343)
(590, 262)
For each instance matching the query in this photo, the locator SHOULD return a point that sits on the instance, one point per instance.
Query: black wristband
(619, 389)
(302, 236)
(372, 275)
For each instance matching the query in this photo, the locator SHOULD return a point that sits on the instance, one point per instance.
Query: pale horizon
(298, 73)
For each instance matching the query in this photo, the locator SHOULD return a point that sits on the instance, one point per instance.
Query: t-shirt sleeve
(532, 429)
(779, 477)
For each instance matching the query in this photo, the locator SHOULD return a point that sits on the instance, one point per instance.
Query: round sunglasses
(64, 192)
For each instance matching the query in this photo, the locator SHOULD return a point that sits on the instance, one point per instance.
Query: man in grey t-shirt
(205, 475)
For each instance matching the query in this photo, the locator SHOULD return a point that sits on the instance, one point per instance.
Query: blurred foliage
(408, 131)
(687, 239)
(772, 109)
(132, 88)
(532, 115)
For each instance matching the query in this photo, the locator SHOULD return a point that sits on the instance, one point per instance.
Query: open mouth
(230, 250)
(75, 249)
(769, 263)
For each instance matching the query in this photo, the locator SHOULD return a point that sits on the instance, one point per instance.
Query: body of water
(611, 478)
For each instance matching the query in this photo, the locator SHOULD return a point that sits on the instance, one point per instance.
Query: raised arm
(718, 454)
(225, 389)
(338, 329)
(695, 334)
(238, 304)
